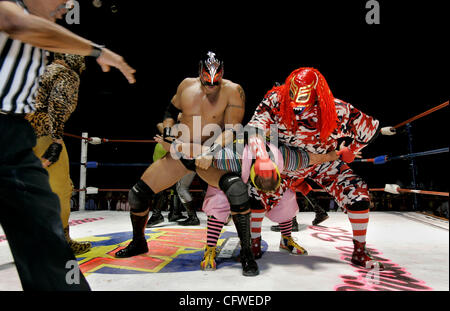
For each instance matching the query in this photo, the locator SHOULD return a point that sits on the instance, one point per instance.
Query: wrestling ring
(412, 245)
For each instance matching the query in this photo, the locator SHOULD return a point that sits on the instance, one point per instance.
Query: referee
(29, 210)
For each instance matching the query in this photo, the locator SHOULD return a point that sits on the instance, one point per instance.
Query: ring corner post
(413, 167)
(83, 171)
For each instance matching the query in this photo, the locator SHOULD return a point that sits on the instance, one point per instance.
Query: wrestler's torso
(307, 134)
(202, 114)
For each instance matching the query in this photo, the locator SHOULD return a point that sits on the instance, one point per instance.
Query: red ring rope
(423, 114)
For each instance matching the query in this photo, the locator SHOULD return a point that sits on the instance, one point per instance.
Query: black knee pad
(139, 196)
(236, 191)
(359, 206)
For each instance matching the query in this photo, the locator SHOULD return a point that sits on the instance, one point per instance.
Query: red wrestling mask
(302, 90)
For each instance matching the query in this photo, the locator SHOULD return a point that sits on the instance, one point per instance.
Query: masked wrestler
(308, 116)
(56, 99)
(206, 102)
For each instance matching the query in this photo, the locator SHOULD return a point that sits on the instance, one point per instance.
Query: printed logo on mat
(392, 278)
(170, 250)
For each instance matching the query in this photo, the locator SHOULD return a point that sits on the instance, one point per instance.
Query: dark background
(392, 71)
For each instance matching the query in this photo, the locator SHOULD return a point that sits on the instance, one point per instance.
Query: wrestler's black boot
(192, 219)
(175, 213)
(321, 214)
(139, 244)
(249, 265)
(157, 217)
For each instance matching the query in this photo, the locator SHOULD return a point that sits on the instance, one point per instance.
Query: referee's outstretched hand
(110, 59)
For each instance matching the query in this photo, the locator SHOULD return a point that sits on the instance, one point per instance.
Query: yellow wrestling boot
(78, 248)
(288, 244)
(209, 263)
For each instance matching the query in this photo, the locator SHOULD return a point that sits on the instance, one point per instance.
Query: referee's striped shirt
(20, 67)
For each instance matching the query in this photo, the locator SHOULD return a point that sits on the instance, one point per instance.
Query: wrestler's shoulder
(188, 82)
(340, 102)
(231, 86)
(272, 98)
(342, 107)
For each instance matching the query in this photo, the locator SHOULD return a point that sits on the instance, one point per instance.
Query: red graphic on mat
(83, 221)
(392, 278)
(71, 223)
(165, 246)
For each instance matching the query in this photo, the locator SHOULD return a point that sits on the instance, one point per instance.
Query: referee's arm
(44, 34)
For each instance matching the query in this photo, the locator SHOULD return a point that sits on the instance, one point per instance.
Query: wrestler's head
(74, 62)
(211, 70)
(265, 184)
(302, 90)
(305, 88)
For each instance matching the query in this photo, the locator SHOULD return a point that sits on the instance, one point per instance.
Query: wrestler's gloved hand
(52, 153)
(346, 155)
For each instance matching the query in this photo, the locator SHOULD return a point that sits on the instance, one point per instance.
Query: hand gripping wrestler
(308, 116)
(56, 99)
(203, 101)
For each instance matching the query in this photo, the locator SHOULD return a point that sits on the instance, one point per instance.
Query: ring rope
(423, 114)
(93, 164)
(76, 136)
(377, 160)
(94, 190)
(97, 140)
(394, 189)
(384, 158)
(400, 190)
(128, 140)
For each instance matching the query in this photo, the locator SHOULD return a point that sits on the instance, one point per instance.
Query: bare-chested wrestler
(208, 103)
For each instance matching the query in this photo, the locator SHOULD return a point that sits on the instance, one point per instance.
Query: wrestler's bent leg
(217, 209)
(351, 193)
(283, 213)
(237, 194)
(257, 217)
(159, 176)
